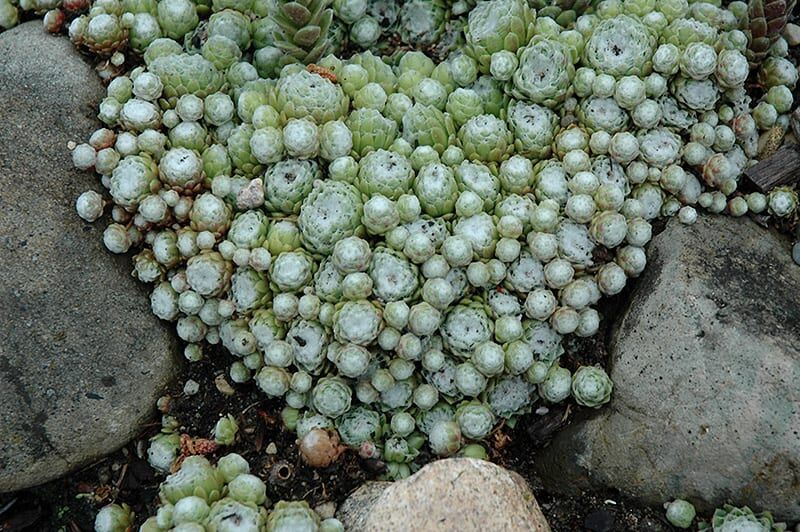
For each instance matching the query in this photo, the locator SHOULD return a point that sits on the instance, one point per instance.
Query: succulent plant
(620, 46)
(475, 420)
(9, 15)
(332, 396)
(196, 477)
(304, 94)
(303, 29)
(102, 33)
(680, 513)
(186, 74)
(591, 386)
(495, 26)
(422, 22)
(426, 125)
(358, 426)
(225, 430)
(384, 172)
(226, 511)
(763, 26)
(332, 211)
(294, 515)
(533, 127)
(545, 72)
(730, 518)
(486, 138)
(371, 131)
(394, 246)
(564, 12)
(113, 518)
(435, 186)
(244, 507)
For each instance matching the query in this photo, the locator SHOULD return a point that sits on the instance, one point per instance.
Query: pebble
(223, 386)
(460, 494)
(252, 195)
(272, 448)
(796, 253)
(191, 387)
(792, 34)
(326, 510)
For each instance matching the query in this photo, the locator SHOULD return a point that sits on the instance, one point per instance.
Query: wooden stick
(781, 168)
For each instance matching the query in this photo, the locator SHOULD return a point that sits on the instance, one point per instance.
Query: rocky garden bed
(408, 266)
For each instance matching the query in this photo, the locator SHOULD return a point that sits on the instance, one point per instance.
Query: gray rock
(461, 494)
(706, 371)
(82, 359)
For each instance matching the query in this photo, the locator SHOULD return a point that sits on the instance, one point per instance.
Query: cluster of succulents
(224, 497)
(765, 21)
(282, 32)
(165, 448)
(729, 518)
(396, 247)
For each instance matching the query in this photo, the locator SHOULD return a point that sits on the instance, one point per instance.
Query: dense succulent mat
(395, 244)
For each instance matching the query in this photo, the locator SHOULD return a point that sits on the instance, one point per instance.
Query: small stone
(223, 386)
(792, 34)
(770, 141)
(326, 510)
(164, 403)
(272, 448)
(461, 494)
(796, 253)
(320, 447)
(191, 387)
(252, 195)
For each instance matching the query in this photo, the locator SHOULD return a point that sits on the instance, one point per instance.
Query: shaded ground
(71, 503)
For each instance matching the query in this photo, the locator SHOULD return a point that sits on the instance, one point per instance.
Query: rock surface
(82, 359)
(706, 371)
(461, 494)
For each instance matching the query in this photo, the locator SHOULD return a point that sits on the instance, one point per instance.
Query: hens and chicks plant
(395, 245)
(224, 497)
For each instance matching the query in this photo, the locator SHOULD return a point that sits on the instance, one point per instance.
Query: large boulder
(461, 494)
(706, 371)
(82, 359)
